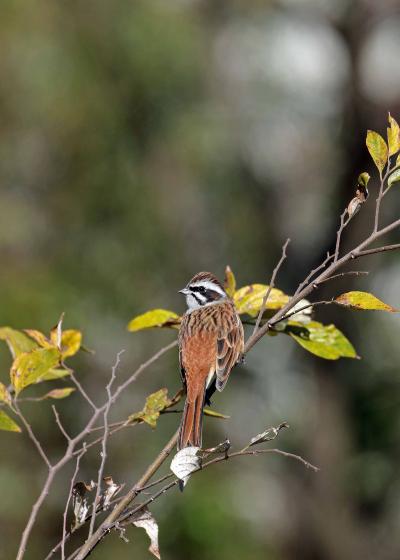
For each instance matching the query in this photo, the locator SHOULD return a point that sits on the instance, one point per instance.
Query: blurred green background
(143, 141)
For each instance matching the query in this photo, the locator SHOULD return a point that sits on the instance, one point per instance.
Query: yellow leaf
(155, 403)
(378, 149)
(39, 337)
(249, 299)
(325, 341)
(31, 367)
(154, 318)
(7, 423)
(364, 300)
(229, 282)
(393, 134)
(17, 341)
(71, 341)
(59, 393)
(54, 374)
(4, 394)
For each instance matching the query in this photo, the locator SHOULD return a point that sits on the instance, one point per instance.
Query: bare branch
(72, 443)
(343, 224)
(64, 533)
(332, 268)
(59, 423)
(342, 274)
(271, 285)
(31, 434)
(104, 442)
(127, 499)
(82, 391)
(379, 250)
(313, 272)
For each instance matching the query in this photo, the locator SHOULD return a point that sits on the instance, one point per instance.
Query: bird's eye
(202, 289)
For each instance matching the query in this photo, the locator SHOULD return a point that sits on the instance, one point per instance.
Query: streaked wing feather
(229, 348)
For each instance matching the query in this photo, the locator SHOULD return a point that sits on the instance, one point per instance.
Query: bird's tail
(192, 422)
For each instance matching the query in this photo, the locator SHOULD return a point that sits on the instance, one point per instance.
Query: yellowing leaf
(325, 341)
(155, 403)
(59, 393)
(54, 374)
(249, 299)
(71, 341)
(30, 367)
(17, 341)
(394, 177)
(393, 134)
(39, 337)
(229, 282)
(4, 394)
(7, 423)
(378, 149)
(154, 318)
(363, 300)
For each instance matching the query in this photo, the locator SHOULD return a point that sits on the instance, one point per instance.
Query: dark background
(143, 141)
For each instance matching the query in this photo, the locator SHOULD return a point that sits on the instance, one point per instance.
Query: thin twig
(128, 498)
(332, 268)
(379, 250)
(82, 391)
(214, 461)
(341, 274)
(271, 285)
(104, 443)
(64, 533)
(313, 272)
(59, 423)
(31, 434)
(69, 452)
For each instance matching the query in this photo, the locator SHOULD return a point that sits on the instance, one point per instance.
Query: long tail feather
(190, 433)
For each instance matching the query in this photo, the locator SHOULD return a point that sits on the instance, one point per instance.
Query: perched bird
(211, 342)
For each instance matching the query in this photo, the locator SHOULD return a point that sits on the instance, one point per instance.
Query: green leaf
(229, 282)
(378, 149)
(154, 318)
(4, 394)
(394, 177)
(325, 341)
(363, 300)
(31, 367)
(249, 299)
(363, 179)
(7, 423)
(155, 403)
(17, 341)
(393, 135)
(215, 414)
(59, 393)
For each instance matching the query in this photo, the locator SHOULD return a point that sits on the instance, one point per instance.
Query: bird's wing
(229, 350)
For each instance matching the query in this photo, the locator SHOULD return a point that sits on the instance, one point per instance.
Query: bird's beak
(184, 291)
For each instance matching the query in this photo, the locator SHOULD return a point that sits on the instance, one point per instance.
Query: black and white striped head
(203, 289)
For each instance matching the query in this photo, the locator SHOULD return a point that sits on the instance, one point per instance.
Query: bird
(211, 343)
